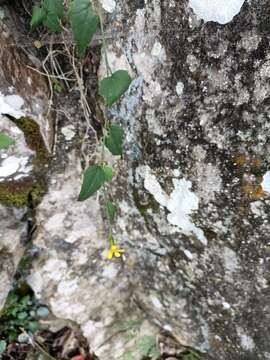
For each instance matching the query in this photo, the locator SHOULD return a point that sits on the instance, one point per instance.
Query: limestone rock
(23, 109)
(13, 233)
(16, 161)
(18, 80)
(193, 213)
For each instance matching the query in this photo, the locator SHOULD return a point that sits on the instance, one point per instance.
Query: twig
(36, 345)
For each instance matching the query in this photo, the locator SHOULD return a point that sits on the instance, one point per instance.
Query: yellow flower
(114, 251)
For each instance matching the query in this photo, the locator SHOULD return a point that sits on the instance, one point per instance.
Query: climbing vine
(84, 19)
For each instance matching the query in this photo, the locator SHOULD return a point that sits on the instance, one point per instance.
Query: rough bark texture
(193, 219)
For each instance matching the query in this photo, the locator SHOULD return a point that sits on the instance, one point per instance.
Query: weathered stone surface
(18, 79)
(13, 232)
(24, 99)
(73, 276)
(16, 161)
(192, 191)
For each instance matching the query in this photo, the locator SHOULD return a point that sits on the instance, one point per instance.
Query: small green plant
(3, 346)
(146, 346)
(57, 87)
(192, 355)
(85, 18)
(5, 141)
(18, 313)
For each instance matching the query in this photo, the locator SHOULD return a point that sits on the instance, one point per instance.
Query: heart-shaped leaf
(114, 139)
(108, 171)
(114, 86)
(5, 141)
(54, 10)
(84, 23)
(38, 16)
(94, 177)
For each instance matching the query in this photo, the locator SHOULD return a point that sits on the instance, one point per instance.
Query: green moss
(152, 204)
(33, 137)
(18, 193)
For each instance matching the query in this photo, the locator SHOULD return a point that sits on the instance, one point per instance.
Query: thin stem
(104, 133)
(104, 42)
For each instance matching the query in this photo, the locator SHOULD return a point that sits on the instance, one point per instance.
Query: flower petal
(117, 253)
(110, 255)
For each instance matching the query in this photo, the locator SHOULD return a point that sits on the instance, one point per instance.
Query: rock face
(23, 104)
(23, 91)
(13, 233)
(192, 191)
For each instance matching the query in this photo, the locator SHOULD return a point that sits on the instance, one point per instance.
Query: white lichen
(181, 203)
(108, 5)
(246, 341)
(11, 105)
(68, 132)
(179, 88)
(216, 10)
(266, 182)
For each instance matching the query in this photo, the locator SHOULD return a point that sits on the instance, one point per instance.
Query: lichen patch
(181, 203)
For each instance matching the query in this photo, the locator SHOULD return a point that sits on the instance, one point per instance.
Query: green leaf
(54, 10)
(5, 141)
(147, 346)
(52, 23)
(33, 326)
(108, 171)
(38, 16)
(25, 300)
(12, 298)
(2, 14)
(55, 7)
(191, 355)
(114, 140)
(128, 355)
(110, 210)
(114, 86)
(94, 177)
(57, 86)
(84, 23)
(12, 336)
(3, 346)
(22, 315)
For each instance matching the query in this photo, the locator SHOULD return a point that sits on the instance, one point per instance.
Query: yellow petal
(110, 255)
(117, 253)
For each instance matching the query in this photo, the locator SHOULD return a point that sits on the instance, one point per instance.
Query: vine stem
(106, 121)
(104, 42)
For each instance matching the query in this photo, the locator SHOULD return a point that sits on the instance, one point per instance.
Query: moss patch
(151, 204)
(20, 192)
(33, 138)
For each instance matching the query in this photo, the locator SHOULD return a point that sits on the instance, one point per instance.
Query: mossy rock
(144, 208)
(19, 193)
(29, 188)
(33, 138)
